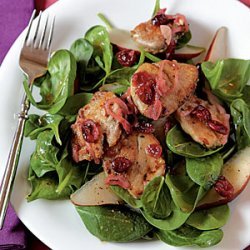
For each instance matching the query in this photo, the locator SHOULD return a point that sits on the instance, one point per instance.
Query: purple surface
(14, 17)
(13, 234)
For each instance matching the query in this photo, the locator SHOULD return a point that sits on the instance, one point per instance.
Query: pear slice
(188, 52)
(95, 193)
(237, 172)
(218, 47)
(122, 38)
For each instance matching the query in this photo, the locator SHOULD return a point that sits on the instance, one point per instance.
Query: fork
(33, 62)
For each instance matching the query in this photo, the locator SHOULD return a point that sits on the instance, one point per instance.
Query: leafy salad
(181, 197)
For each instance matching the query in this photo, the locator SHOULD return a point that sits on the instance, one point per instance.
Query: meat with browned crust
(144, 167)
(198, 129)
(174, 83)
(109, 129)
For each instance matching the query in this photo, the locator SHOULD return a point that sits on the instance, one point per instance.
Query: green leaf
(114, 223)
(126, 196)
(173, 221)
(37, 124)
(182, 144)
(204, 171)
(227, 77)
(44, 159)
(45, 188)
(156, 200)
(105, 21)
(185, 193)
(184, 39)
(246, 95)
(241, 118)
(103, 53)
(207, 219)
(75, 102)
(156, 8)
(58, 84)
(82, 51)
(188, 236)
(70, 175)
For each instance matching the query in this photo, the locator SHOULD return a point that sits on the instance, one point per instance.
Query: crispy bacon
(140, 163)
(174, 83)
(119, 112)
(206, 123)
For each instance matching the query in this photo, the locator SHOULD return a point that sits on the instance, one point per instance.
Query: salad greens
(168, 206)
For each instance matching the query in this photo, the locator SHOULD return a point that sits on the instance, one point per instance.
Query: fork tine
(43, 32)
(29, 26)
(48, 41)
(37, 28)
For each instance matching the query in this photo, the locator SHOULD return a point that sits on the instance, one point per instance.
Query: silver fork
(33, 62)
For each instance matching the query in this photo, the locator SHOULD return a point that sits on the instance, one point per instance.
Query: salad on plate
(147, 139)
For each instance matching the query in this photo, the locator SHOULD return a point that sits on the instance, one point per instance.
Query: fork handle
(12, 162)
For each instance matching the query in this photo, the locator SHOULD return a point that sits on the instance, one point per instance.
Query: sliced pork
(207, 123)
(98, 120)
(159, 89)
(133, 162)
(160, 33)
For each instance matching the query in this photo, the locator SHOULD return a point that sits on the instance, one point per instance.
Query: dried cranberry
(121, 164)
(154, 150)
(145, 87)
(144, 127)
(224, 188)
(90, 131)
(217, 127)
(170, 50)
(201, 113)
(127, 57)
(168, 126)
(159, 19)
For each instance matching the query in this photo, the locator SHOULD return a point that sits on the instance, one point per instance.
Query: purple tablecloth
(14, 17)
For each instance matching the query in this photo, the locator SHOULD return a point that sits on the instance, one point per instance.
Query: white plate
(56, 223)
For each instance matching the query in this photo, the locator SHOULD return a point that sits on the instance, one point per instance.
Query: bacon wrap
(92, 153)
(154, 111)
(130, 104)
(118, 115)
(163, 84)
(118, 180)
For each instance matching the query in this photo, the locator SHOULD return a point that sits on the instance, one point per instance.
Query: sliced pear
(188, 52)
(237, 172)
(218, 47)
(122, 38)
(95, 193)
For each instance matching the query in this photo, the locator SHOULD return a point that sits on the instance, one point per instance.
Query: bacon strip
(119, 113)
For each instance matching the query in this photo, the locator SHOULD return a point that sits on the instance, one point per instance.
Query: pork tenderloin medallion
(206, 123)
(159, 89)
(161, 33)
(98, 120)
(133, 162)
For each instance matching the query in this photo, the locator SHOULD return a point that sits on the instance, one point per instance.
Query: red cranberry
(144, 127)
(121, 164)
(217, 127)
(201, 113)
(159, 19)
(127, 57)
(90, 131)
(154, 150)
(145, 87)
(168, 126)
(224, 188)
